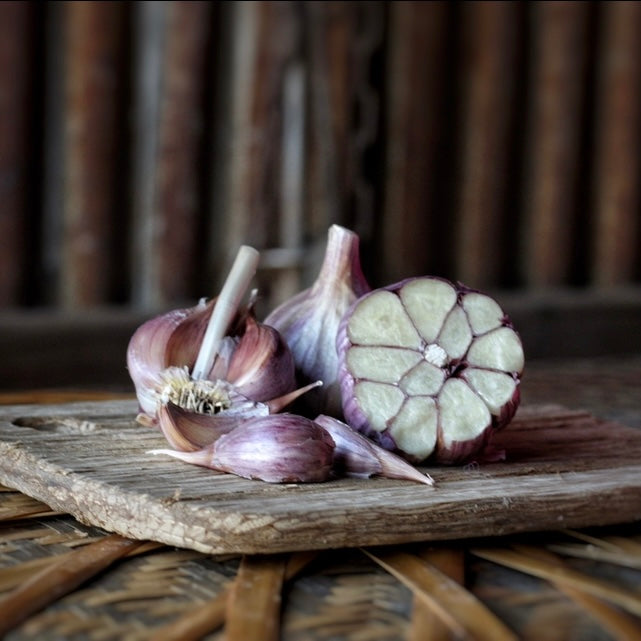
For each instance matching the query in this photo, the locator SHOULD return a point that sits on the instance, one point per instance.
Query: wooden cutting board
(563, 469)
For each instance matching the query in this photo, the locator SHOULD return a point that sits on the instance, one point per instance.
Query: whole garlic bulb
(309, 321)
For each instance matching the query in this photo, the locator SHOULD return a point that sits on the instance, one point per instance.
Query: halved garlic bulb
(429, 368)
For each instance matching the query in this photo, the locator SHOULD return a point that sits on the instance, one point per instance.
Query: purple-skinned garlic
(209, 357)
(353, 454)
(279, 448)
(309, 321)
(360, 457)
(429, 369)
(188, 430)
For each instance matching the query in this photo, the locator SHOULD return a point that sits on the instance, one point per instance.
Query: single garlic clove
(280, 448)
(261, 365)
(309, 321)
(429, 369)
(190, 431)
(359, 457)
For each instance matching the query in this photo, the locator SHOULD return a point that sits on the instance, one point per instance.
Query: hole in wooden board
(50, 424)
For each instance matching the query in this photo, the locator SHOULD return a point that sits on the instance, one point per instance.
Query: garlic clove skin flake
(309, 321)
(280, 448)
(429, 369)
(357, 456)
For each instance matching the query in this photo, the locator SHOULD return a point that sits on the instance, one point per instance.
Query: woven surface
(342, 594)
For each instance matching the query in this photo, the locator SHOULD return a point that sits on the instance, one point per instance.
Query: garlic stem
(341, 264)
(233, 290)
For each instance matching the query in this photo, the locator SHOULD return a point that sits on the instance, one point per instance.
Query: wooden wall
(142, 142)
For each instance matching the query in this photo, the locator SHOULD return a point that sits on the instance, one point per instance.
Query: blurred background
(495, 143)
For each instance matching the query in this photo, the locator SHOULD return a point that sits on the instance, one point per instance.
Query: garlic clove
(429, 368)
(280, 448)
(216, 410)
(190, 431)
(261, 365)
(359, 457)
(309, 321)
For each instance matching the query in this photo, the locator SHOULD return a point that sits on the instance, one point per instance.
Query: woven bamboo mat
(564, 585)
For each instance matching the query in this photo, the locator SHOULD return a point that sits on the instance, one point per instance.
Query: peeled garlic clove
(190, 431)
(357, 456)
(280, 448)
(429, 369)
(309, 321)
(261, 365)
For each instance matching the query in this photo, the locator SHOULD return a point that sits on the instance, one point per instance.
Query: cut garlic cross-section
(429, 368)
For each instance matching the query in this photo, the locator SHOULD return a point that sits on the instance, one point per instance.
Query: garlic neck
(341, 269)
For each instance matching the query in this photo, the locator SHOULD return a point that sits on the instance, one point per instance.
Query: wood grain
(615, 239)
(553, 140)
(564, 469)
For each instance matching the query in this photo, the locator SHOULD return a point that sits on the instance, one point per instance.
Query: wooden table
(60, 579)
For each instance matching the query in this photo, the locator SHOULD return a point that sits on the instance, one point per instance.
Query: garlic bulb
(172, 339)
(429, 369)
(280, 448)
(309, 321)
(255, 360)
(213, 356)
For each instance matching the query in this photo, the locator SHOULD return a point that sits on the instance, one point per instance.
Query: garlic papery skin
(309, 321)
(280, 448)
(429, 369)
(359, 457)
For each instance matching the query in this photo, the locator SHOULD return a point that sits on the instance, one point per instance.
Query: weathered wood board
(563, 469)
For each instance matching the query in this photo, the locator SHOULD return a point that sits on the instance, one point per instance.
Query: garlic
(359, 457)
(232, 357)
(429, 369)
(216, 409)
(280, 448)
(309, 321)
(172, 339)
(354, 455)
